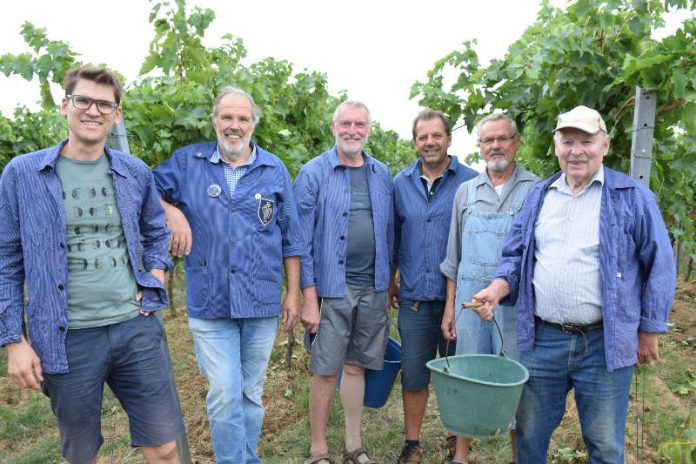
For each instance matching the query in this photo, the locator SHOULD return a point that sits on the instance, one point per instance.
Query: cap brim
(583, 127)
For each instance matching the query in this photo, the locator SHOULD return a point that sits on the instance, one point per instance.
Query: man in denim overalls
(483, 212)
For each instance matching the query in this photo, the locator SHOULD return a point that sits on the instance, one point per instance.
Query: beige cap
(583, 118)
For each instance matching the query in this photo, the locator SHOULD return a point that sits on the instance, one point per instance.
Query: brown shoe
(451, 446)
(410, 454)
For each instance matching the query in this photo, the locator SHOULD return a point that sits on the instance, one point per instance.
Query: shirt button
(428, 220)
(345, 213)
(62, 245)
(340, 261)
(233, 240)
(61, 328)
(342, 237)
(60, 287)
(233, 270)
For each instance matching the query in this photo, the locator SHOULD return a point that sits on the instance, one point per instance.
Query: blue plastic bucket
(378, 384)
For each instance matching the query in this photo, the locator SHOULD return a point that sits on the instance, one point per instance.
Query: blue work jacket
(322, 190)
(33, 246)
(235, 268)
(421, 228)
(637, 269)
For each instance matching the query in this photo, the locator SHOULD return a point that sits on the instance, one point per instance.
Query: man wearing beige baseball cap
(589, 263)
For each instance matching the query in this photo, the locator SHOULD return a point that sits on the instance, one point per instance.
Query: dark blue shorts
(129, 357)
(421, 340)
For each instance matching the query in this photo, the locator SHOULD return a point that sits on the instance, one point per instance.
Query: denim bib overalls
(483, 238)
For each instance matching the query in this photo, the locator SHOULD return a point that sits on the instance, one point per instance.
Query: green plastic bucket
(477, 394)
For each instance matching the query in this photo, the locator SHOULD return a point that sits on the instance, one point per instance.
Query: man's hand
(23, 366)
(449, 331)
(490, 296)
(159, 274)
(310, 310)
(647, 348)
(181, 240)
(393, 295)
(291, 309)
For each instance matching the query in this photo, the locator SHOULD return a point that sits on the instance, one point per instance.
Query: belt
(571, 328)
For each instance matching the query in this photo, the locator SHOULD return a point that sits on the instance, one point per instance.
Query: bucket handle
(465, 305)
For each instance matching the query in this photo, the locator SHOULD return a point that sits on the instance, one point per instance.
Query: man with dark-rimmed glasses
(79, 222)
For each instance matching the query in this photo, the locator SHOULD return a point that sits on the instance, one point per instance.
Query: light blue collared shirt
(232, 175)
(566, 267)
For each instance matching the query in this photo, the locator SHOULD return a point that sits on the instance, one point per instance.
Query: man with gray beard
(483, 212)
(345, 205)
(236, 222)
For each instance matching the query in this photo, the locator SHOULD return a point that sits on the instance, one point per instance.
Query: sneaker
(410, 454)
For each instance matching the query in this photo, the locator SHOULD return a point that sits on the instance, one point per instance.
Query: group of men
(586, 277)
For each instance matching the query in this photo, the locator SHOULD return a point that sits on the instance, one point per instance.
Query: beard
(352, 149)
(232, 151)
(498, 166)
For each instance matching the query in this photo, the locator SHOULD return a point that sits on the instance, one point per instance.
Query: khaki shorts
(353, 330)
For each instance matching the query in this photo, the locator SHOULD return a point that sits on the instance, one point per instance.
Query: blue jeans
(558, 363)
(421, 340)
(233, 356)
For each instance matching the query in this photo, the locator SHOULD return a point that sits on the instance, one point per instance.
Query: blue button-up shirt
(235, 268)
(637, 269)
(421, 228)
(322, 190)
(33, 246)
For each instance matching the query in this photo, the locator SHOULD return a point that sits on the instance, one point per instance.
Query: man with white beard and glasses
(238, 200)
(483, 212)
(344, 199)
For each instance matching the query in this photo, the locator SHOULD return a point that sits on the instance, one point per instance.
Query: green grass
(26, 422)
(28, 433)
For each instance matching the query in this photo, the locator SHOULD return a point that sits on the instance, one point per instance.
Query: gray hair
(352, 104)
(255, 110)
(498, 117)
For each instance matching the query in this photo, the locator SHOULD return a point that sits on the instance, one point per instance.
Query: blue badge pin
(214, 190)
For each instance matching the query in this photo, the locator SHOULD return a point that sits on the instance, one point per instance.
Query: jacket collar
(50, 158)
(334, 162)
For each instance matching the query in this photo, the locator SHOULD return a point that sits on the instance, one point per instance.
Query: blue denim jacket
(33, 238)
(235, 268)
(322, 190)
(421, 228)
(638, 273)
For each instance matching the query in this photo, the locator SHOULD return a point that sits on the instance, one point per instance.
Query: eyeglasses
(80, 102)
(502, 140)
